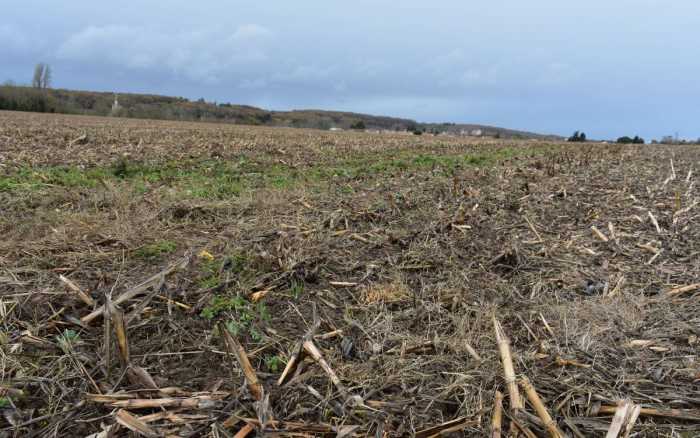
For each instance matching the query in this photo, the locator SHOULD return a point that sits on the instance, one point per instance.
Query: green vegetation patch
(408, 161)
(211, 271)
(274, 363)
(220, 304)
(240, 315)
(65, 176)
(216, 180)
(156, 250)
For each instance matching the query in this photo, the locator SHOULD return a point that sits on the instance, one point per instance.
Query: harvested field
(186, 280)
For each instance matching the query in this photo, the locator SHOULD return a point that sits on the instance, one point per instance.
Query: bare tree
(38, 75)
(46, 77)
(42, 76)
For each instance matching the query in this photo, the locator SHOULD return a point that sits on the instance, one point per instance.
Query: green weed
(262, 311)
(236, 263)
(121, 168)
(156, 250)
(221, 304)
(242, 314)
(255, 334)
(209, 282)
(67, 340)
(237, 326)
(296, 289)
(218, 180)
(274, 363)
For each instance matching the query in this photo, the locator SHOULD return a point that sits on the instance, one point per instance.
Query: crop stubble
(351, 284)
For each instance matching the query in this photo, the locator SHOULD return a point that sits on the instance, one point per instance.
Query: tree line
(578, 137)
(39, 96)
(33, 98)
(628, 140)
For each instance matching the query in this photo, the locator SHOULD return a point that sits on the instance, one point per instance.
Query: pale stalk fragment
(516, 404)
(497, 418)
(541, 410)
(251, 377)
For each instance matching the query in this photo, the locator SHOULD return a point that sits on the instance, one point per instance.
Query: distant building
(472, 133)
(335, 128)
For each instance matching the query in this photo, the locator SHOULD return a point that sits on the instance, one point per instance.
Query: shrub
(628, 140)
(578, 137)
(26, 99)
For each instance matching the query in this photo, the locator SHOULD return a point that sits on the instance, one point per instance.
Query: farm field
(190, 279)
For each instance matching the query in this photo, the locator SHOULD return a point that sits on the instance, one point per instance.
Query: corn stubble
(193, 279)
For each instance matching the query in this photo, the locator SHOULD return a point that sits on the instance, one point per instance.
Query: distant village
(461, 132)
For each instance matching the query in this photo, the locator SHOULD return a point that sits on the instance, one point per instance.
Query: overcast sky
(607, 67)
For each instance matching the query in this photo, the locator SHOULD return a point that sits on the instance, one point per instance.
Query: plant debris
(231, 281)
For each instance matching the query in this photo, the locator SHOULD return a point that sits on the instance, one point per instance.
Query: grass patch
(211, 270)
(29, 179)
(220, 304)
(210, 277)
(217, 180)
(156, 250)
(296, 289)
(241, 315)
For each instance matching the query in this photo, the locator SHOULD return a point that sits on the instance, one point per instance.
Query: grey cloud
(206, 55)
(12, 38)
(251, 31)
(609, 68)
(16, 40)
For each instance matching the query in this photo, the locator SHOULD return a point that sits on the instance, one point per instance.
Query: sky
(605, 67)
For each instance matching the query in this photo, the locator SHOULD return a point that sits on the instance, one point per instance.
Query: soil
(374, 267)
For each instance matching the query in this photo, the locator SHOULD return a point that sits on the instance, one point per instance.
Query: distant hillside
(178, 108)
(485, 131)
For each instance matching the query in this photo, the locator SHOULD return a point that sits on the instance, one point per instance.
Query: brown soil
(394, 272)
